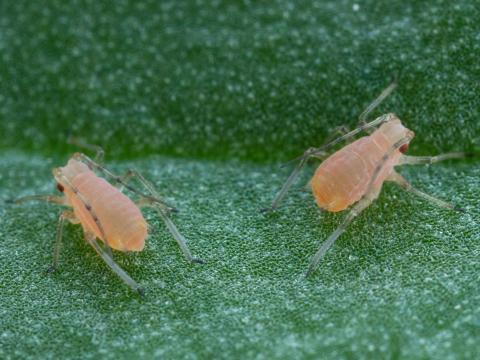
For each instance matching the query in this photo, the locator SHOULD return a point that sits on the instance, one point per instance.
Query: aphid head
(64, 175)
(72, 169)
(394, 132)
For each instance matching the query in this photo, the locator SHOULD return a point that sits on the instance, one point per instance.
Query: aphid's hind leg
(99, 153)
(163, 211)
(337, 131)
(426, 160)
(401, 181)
(125, 178)
(312, 152)
(65, 215)
(90, 238)
(361, 205)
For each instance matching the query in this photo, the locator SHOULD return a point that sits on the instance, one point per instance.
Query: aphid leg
(99, 153)
(425, 160)
(177, 236)
(401, 181)
(312, 152)
(61, 178)
(370, 194)
(65, 215)
(125, 178)
(59, 200)
(384, 94)
(361, 205)
(337, 131)
(90, 238)
(163, 211)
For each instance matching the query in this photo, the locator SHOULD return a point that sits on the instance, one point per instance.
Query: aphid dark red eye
(403, 149)
(60, 187)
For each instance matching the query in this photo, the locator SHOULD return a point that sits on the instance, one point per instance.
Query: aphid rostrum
(354, 175)
(110, 219)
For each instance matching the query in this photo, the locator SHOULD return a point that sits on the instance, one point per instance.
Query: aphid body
(343, 178)
(120, 217)
(104, 212)
(353, 176)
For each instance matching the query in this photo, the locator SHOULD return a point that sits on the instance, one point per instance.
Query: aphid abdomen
(121, 220)
(342, 179)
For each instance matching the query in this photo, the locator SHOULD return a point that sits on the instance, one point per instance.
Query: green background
(206, 99)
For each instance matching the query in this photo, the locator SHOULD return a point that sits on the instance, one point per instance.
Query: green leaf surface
(205, 98)
(402, 280)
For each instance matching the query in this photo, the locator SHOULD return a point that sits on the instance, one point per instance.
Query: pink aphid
(104, 212)
(354, 175)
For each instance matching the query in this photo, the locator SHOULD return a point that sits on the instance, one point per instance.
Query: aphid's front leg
(90, 238)
(65, 215)
(426, 160)
(361, 205)
(163, 211)
(58, 200)
(401, 181)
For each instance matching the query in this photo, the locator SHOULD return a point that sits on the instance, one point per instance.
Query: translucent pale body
(121, 220)
(343, 178)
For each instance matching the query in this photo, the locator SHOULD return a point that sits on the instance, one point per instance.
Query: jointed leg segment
(357, 209)
(163, 211)
(65, 215)
(90, 238)
(59, 200)
(401, 181)
(425, 160)
(146, 200)
(312, 152)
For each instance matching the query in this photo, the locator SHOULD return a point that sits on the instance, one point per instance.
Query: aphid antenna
(100, 153)
(92, 164)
